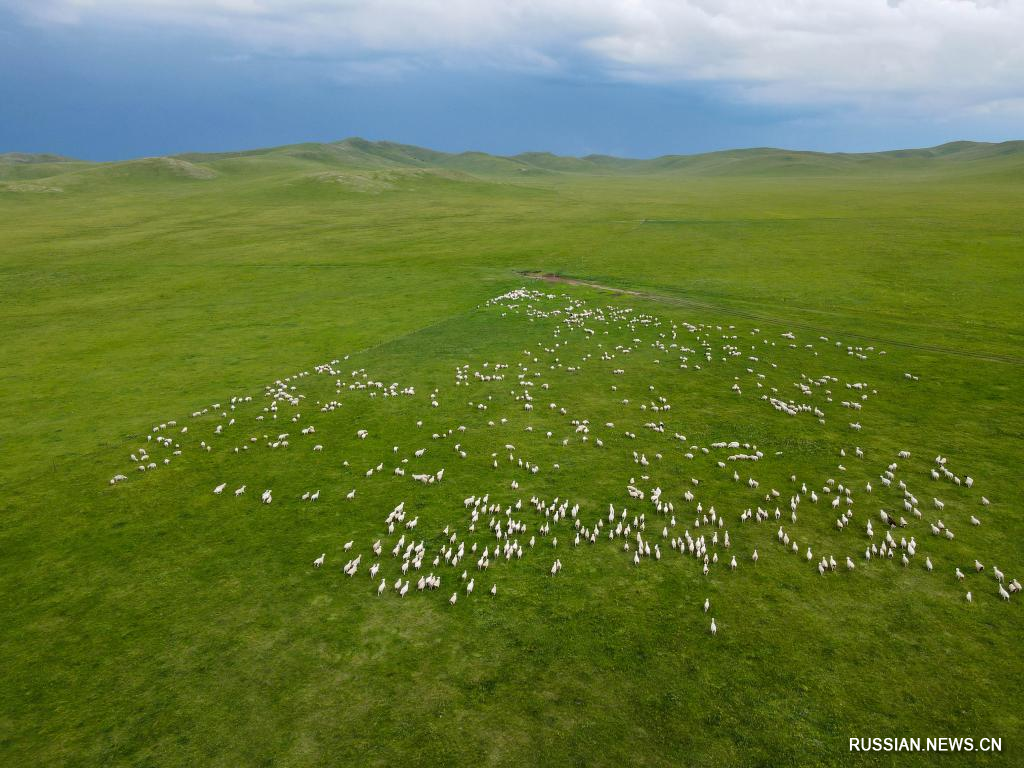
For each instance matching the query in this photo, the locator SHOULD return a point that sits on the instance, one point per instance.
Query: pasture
(742, 346)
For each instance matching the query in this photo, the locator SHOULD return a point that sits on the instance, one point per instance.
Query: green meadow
(153, 622)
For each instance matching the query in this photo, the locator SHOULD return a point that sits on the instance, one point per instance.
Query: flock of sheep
(875, 507)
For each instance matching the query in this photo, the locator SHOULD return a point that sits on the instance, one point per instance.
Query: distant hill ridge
(357, 152)
(33, 157)
(360, 159)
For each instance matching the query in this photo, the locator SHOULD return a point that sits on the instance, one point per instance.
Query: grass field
(152, 622)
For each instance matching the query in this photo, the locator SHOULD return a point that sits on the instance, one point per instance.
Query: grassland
(151, 624)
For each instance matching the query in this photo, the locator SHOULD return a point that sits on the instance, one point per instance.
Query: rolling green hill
(361, 156)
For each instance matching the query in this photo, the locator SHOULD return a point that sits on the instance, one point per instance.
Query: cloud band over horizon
(952, 63)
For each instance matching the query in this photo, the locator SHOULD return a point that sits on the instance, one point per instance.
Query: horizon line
(66, 158)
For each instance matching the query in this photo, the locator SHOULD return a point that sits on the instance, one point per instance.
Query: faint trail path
(683, 302)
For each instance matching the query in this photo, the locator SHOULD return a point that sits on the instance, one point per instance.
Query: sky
(113, 79)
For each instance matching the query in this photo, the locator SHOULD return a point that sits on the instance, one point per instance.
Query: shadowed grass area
(155, 623)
